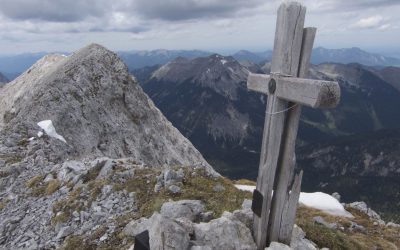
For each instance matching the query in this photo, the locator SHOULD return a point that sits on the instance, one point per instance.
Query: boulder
(226, 232)
(164, 233)
(245, 216)
(277, 246)
(362, 207)
(167, 234)
(299, 242)
(190, 209)
(172, 177)
(135, 227)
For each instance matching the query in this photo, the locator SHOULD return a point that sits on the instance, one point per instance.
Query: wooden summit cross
(275, 212)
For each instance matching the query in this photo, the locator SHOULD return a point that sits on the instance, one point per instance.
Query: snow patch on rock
(317, 200)
(50, 130)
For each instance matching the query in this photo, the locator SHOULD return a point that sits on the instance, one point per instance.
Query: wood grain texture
(311, 93)
(258, 83)
(289, 212)
(307, 92)
(283, 213)
(285, 60)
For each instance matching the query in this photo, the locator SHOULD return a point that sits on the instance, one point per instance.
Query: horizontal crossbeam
(312, 93)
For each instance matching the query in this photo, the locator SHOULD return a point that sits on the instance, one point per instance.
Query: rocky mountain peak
(97, 106)
(222, 74)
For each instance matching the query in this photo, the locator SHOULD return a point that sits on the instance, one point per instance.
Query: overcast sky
(215, 25)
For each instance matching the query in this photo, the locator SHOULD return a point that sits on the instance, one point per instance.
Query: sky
(213, 25)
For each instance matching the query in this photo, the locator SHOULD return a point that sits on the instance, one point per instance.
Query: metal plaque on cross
(278, 188)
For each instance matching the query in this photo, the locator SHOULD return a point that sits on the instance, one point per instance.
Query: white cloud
(385, 26)
(369, 22)
(372, 22)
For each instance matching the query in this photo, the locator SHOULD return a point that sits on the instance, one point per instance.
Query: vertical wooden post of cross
(275, 211)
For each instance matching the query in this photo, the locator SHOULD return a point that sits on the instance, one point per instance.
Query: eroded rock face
(97, 106)
(190, 209)
(50, 190)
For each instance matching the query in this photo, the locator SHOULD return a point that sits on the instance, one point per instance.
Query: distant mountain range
(255, 57)
(323, 55)
(208, 101)
(3, 79)
(12, 66)
(140, 59)
(352, 55)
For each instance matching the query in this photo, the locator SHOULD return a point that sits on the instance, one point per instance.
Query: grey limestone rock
(98, 107)
(174, 189)
(105, 165)
(337, 196)
(200, 248)
(166, 234)
(135, 227)
(277, 246)
(64, 232)
(245, 216)
(319, 220)
(392, 224)
(206, 216)
(362, 207)
(299, 242)
(354, 227)
(226, 232)
(190, 209)
(187, 224)
(103, 114)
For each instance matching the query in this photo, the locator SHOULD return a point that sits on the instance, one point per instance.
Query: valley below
(207, 100)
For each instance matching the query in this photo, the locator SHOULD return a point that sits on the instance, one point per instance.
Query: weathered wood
(285, 60)
(281, 214)
(306, 50)
(311, 93)
(258, 83)
(290, 59)
(289, 212)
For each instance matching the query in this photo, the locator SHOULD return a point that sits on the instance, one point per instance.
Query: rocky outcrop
(97, 106)
(180, 231)
(82, 182)
(227, 232)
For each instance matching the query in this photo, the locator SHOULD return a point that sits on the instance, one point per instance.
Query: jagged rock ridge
(51, 190)
(98, 108)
